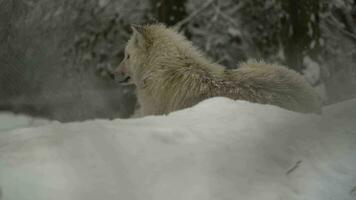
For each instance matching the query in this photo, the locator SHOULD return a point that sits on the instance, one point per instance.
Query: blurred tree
(300, 32)
(53, 56)
(169, 11)
(14, 73)
(345, 14)
(260, 23)
(214, 27)
(353, 13)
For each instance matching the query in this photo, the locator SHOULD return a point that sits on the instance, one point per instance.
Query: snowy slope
(218, 150)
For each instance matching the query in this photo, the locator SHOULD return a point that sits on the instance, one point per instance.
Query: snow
(9, 121)
(312, 75)
(312, 70)
(234, 32)
(219, 149)
(342, 3)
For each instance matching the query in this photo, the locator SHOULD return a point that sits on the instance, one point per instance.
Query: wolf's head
(153, 48)
(134, 56)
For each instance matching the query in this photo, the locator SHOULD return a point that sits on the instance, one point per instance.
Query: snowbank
(219, 149)
(9, 121)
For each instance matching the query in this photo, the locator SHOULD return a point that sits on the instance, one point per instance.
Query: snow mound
(9, 121)
(219, 149)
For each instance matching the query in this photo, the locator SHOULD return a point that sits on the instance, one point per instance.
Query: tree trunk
(353, 13)
(300, 31)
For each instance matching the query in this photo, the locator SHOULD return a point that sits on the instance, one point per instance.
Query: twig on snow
(294, 167)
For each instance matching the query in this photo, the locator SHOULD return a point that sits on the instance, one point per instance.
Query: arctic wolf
(171, 74)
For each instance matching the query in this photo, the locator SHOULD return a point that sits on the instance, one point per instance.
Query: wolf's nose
(119, 77)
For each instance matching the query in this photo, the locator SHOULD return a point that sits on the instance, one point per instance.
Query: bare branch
(179, 25)
(332, 21)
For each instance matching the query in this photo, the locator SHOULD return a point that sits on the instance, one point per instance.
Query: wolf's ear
(139, 34)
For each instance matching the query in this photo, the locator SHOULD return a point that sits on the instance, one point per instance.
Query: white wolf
(171, 74)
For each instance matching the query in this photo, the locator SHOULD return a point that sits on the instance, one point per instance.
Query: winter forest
(57, 55)
(69, 130)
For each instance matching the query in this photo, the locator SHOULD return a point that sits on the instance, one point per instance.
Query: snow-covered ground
(10, 121)
(218, 150)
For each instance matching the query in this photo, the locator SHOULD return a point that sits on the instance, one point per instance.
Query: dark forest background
(56, 56)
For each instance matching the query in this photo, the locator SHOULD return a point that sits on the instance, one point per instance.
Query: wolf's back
(281, 86)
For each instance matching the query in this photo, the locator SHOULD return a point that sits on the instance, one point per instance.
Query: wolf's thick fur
(171, 74)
